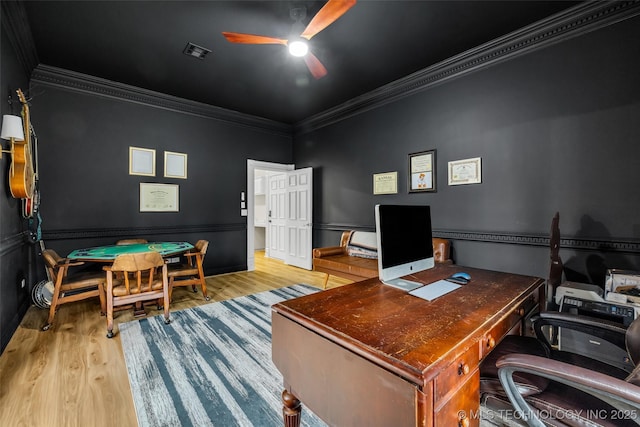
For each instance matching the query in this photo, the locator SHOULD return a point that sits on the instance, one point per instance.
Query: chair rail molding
(12, 243)
(617, 245)
(93, 233)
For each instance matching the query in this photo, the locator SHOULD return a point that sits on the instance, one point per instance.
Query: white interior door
(298, 225)
(265, 168)
(277, 217)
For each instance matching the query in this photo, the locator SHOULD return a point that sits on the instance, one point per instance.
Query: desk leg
(291, 409)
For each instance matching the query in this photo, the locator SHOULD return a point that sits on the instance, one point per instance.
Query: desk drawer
(452, 377)
(493, 337)
(463, 407)
(512, 324)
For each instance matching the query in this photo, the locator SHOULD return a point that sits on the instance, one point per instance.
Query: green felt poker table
(110, 252)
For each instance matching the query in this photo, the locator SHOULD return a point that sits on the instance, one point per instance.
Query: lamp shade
(12, 128)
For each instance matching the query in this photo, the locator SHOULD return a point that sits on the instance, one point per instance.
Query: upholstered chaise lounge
(356, 257)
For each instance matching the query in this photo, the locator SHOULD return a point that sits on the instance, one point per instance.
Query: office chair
(574, 395)
(546, 386)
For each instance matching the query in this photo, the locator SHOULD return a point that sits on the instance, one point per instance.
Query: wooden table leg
(291, 409)
(326, 280)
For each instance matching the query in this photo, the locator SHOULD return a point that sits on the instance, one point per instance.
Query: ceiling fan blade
(315, 66)
(252, 39)
(329, 13)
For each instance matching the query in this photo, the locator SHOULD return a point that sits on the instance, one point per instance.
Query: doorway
(264, 169)
(279, 210)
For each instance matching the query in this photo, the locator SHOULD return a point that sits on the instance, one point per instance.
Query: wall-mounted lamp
(11, 131)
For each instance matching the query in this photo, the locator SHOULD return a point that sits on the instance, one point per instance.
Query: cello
(21, 173)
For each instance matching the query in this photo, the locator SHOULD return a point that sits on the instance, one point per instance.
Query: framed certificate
(422, 171)
(159, 197)
(385, 183)
(467, 171)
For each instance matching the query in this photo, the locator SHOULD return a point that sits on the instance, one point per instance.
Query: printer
(588, 300)
(579, 290)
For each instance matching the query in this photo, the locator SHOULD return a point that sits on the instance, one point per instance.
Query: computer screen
(405, 243)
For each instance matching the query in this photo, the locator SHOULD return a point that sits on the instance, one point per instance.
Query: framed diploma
(467, 171)
(159, 197)
(385, 183)
(422, 171)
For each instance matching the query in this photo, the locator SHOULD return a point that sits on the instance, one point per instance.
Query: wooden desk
(370, 354)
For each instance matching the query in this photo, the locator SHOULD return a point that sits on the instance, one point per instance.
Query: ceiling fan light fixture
(298, 48)
(297, 45)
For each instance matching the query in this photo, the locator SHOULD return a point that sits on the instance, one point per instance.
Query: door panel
(277, 216)
(299, 222)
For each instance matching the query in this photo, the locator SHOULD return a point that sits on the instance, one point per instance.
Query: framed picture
(385, 183)
(467, 171)
(159, 197)
(142, 161)
(422, 171)
(175, 165)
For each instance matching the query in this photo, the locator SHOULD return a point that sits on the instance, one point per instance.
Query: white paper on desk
(434, 290)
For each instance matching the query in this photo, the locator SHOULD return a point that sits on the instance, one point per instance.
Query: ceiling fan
(329, 13)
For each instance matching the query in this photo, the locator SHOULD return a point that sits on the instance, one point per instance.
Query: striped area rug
(211, 366)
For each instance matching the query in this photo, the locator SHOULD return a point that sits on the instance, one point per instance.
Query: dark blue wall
(88, 197)
(16, 254)
(558, 129)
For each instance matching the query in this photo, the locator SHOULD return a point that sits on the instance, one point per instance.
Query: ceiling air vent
(195, 51)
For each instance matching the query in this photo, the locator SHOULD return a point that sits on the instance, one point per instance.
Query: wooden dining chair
(70, 287)
(140, 277)
(122, 242)
(190, 272)
(130, 241)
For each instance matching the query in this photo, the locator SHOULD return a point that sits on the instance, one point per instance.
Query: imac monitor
(405, 243)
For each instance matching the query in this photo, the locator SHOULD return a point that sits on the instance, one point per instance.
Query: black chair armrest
(603, 329)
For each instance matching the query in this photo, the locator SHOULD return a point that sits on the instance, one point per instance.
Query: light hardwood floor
(72, 375)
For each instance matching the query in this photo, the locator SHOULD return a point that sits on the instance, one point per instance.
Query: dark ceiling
(141, 43)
